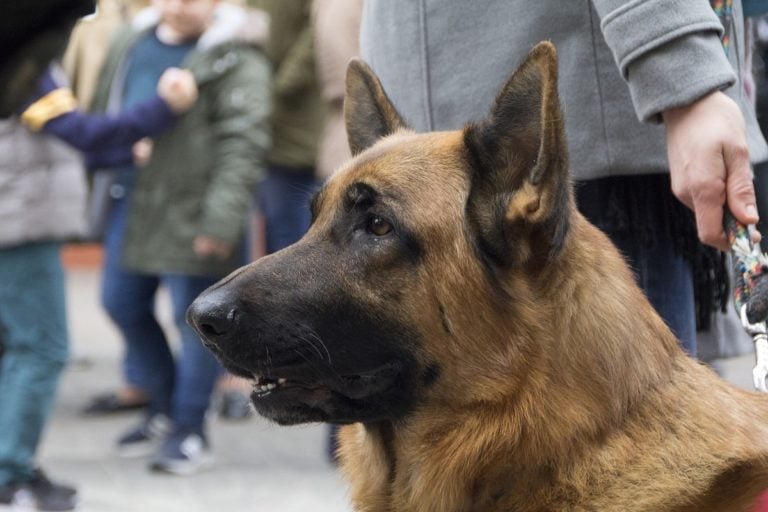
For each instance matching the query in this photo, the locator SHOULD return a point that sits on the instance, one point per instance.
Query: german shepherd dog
(486, 347)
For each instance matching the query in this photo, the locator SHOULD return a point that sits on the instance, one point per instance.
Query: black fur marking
(352, 360)
(327, 342)
(413, 247)
(364, 199)
(430, 375)
(394, 295)
(487, 203)
(490, 255)
(386, 434)
(360, 196)
(444, 321)
(521, 141)
(494, 249)
(314, 204)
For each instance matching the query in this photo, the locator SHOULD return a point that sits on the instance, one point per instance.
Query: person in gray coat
(42, 202)
(654, 114)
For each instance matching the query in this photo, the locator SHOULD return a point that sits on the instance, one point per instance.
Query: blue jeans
(33, 330)
(667, 280)
(283, 197)
(647, 224)
(180, 387)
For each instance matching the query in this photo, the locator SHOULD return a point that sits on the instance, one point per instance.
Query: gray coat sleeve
(668, 51)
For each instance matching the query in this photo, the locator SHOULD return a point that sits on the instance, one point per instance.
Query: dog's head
(418, 247)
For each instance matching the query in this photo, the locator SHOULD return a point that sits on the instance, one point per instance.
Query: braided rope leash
(750, 292)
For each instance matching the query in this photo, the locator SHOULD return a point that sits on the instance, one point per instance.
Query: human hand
(177, 87)
(142, 152)
(709, 164)
(206, 246)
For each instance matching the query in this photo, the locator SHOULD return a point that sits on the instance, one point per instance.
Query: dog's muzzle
(214, 316)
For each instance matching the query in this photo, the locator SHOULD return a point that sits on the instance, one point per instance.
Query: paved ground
(258, 466)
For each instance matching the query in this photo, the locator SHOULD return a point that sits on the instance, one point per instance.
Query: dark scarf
(644, 208)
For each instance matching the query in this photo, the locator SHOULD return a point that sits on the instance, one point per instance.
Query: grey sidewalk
(258, 466)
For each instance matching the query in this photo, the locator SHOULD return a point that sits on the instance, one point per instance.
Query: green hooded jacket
(202, 172)
(298, 108)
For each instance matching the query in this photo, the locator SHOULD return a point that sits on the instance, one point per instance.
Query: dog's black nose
(212, 316)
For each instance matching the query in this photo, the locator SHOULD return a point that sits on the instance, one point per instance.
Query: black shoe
(111, 403)
(40, 480)
(235, 406)
(38, 494)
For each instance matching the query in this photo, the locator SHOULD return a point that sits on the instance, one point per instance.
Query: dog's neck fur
(601, 360)
(591, 346)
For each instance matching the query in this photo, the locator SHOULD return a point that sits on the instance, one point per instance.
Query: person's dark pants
(663, 274)
(667, 280)
(181, 388)
(283, 198)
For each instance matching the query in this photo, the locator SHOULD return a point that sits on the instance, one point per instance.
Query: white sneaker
(184, 452)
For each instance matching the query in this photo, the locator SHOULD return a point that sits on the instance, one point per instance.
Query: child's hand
(206, 246)
(177, 87)
(142, 152)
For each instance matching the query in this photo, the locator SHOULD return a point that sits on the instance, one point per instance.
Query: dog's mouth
(280, 388)
(263, 386)
(352, 386)
(291, 390)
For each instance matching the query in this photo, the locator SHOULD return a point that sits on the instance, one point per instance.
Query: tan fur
(572, 396)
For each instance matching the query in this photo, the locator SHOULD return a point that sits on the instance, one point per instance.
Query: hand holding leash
(750, 293)
(709, 164)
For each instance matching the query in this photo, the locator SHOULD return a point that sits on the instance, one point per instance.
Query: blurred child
(180, 219)
(42, 192)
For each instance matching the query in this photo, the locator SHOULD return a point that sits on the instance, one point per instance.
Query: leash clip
(759, 333)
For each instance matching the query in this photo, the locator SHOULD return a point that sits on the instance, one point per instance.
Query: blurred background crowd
(179, 140)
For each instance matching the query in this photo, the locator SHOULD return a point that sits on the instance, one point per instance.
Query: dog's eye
(378, 226)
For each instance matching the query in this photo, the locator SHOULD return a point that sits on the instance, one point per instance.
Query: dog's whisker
(314, 347)
(325, 347)
(268, 357)
(317, 370)
(322, 343)
(311, 363)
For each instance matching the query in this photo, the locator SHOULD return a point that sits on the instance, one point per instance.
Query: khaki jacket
(298, 109)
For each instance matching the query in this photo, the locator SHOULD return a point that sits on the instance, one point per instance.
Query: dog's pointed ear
(368, 112)
(520, 197)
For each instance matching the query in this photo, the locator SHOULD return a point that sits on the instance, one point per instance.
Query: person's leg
(197, 369)
(186, 449)
(34, 331)
(283, 198)
(132, 394)
(135, 377)
(129, 299)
